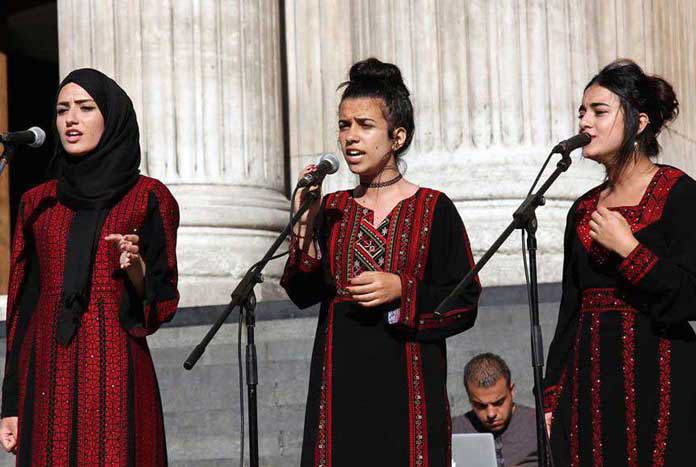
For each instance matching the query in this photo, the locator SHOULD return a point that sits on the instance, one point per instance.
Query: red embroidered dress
(619, 373)
(95, 401)
(377, 390)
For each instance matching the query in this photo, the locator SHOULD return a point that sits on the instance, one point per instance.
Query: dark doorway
(32, 69)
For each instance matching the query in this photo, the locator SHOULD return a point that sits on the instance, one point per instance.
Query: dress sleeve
(22, 297)
(304, 277)
(449, 260)
(141, 317)
(566, 327)
(667, 283)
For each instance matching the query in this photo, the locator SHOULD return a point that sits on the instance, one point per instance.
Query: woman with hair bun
(379, 258)
(619, 389)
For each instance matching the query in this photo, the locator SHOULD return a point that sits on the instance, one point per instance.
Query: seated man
(491, 394)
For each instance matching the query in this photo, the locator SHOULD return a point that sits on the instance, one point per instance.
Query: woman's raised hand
(129, 249)
(302, 194)
(611, 230)
(130, 259)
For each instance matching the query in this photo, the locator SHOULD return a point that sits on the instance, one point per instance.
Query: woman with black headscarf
(93, 271)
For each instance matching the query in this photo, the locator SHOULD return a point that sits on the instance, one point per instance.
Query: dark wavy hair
(379, 80)
(638, 93)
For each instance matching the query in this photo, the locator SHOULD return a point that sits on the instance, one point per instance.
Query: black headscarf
(90, 185)
(101, 178)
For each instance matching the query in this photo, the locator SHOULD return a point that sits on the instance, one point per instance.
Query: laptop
(473, 450)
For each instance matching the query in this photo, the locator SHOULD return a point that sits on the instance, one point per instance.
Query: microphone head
(39, 136)
(572, 143)
(583, 139)
(332, 160)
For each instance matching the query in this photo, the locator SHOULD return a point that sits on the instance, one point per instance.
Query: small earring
(635, 145)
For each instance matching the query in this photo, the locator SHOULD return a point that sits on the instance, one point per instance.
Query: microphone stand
(525, 218)
(6, 156)
(243, 297)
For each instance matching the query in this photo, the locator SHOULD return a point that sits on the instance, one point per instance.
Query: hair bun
(666, 106)
(373, 69)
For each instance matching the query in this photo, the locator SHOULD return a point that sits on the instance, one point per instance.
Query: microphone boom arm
(523, 216)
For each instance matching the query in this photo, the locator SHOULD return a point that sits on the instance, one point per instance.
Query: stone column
(486, 112)
(205, 79)
(674, 45)
(495, 85)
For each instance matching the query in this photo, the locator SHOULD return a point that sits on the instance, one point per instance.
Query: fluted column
(674, 45)
(493, 91)
(205, 79)
(495, 85)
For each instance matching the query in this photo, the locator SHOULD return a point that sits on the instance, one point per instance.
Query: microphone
(328, 164)
(33, 137)
(572, 143)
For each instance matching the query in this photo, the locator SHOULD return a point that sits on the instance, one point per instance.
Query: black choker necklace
(381, 184)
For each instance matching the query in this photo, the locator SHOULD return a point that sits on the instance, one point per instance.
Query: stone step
(215, 387)
(266, 331)
(266, 352)
(216, 434)
(264, 461)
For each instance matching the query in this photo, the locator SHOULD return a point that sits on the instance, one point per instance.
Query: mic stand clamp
(524, 218)
(243, 297)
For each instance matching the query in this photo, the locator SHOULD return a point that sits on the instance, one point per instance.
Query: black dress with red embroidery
(619, 374)
(377, 390)
(96, 400)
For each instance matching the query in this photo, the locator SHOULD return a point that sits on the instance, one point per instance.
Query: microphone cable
(524, 232)
(528, 284)
(240, 325)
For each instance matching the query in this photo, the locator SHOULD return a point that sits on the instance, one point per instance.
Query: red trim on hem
(574, 415)
(663, 419)
(629, 354)
(418, 429)
(595, 375)
(323, 449)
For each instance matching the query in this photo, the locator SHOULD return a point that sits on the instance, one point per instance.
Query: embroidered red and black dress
(619, 377)
(96, 400)
(377, 390)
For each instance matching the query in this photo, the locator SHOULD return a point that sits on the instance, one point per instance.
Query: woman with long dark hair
(619, 389)
(93, 271)
(379, 258)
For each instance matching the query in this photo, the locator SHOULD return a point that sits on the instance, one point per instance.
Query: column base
(224, 230)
